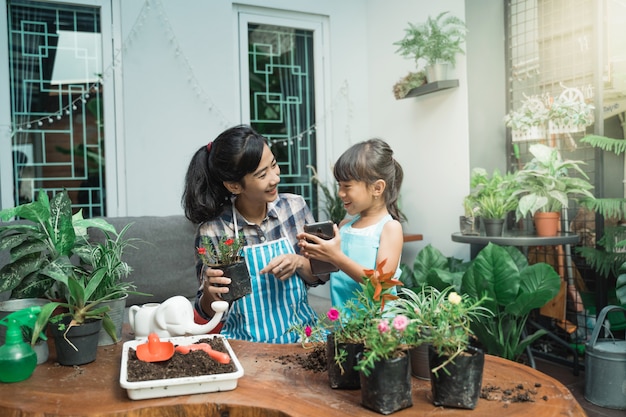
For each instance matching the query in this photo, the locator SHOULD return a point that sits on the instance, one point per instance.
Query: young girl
(230, 190)
(369, 185)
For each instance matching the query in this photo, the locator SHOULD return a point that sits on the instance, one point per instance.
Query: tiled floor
(576, 385)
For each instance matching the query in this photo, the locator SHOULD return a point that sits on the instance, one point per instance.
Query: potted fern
(436, 42)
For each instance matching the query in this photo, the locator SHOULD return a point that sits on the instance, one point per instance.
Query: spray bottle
(17, 358)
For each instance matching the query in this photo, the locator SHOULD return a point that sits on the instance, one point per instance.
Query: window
(55, 57)
(282, 80)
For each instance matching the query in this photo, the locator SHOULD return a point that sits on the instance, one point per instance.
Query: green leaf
(61, 229)
(539, 284)
(494, 274)
(12, 273)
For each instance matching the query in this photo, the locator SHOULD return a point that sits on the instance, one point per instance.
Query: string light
(135, 31)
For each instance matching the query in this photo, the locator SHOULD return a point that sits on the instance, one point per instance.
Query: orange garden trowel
(220, 357)
(154, 350)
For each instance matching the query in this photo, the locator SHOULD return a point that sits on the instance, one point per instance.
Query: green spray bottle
(17, 358)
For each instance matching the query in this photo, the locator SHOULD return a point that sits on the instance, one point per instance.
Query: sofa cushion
(162, 260)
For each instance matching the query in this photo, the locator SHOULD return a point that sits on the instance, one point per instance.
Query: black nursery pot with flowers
(341, 373)
(459, 383)
(226, 255)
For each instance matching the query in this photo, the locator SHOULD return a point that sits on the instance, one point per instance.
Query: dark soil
(314, 360)
(194, 363)
(517, 394)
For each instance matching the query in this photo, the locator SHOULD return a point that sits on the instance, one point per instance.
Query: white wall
(181, 89)
(429, 134)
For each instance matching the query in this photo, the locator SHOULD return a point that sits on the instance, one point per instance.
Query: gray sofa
(162, 260)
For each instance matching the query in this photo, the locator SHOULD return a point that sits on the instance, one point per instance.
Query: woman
(231, 190)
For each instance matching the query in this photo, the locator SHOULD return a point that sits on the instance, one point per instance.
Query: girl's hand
(283, 266)
(317, 248)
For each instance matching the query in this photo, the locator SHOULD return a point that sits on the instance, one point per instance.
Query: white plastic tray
(179, 386)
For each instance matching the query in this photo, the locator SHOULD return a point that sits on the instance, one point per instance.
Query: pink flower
(383, 326)
(400, 322)
(308, 331)
(333, 314)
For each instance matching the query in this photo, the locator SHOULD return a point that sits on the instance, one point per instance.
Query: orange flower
(382, 281)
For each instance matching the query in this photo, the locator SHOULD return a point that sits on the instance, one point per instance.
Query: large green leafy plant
(545, 183)
(41, 244)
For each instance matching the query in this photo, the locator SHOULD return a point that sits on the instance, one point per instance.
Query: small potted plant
(456, 365)
(77, 317)
(545, 186)
(387, 340)
(492, 198)
(225, 253)
(436, 42)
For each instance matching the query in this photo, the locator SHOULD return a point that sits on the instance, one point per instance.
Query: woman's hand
(284, 266)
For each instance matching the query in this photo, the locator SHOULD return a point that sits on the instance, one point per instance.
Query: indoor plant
(78, 311)
(104, 261)
(44, 240)
(529, 121)
(569, 113)
(436, 42)
(334, 208)
(545, 184)
(387, 338)
(456, 365)
(225, 253)
(492, 198)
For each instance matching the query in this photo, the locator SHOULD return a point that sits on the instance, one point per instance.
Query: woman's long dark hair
(369, 161)
(233, 154)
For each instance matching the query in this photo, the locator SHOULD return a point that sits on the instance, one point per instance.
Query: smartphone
(323, 230)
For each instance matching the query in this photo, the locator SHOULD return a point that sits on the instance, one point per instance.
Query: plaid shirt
(286, 217)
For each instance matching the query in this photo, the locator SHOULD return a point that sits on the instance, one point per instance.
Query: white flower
(454, 298)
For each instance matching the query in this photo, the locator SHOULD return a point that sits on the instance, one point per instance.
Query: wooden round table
(270, 386)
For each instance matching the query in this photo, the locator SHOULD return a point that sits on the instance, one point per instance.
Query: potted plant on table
(387, 339)
(436, 42)
(545, 187)
(80, 315)
(492, 198)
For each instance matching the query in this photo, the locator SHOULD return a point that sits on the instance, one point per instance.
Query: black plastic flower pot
(342, 375)
(458, 385)
(79, 344)
(240, 284)
(387, 388)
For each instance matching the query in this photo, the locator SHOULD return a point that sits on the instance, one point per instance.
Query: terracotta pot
(547, 224)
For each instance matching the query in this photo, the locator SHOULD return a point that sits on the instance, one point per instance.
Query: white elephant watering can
(172, 317)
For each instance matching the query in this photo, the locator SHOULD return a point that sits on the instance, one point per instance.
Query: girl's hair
(233, 154)
(370, 161)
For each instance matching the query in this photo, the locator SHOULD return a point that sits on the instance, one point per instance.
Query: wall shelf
(432, 87)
